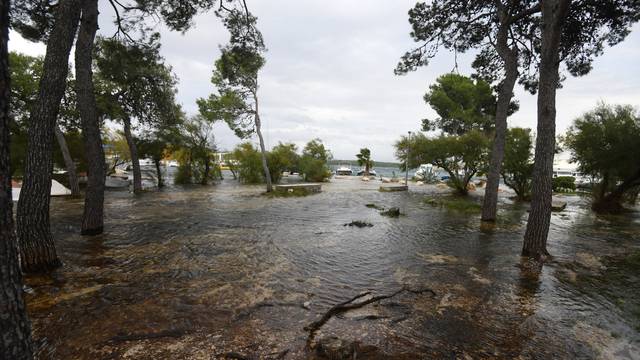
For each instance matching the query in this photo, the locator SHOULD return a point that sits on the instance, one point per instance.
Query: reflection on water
(195, 272)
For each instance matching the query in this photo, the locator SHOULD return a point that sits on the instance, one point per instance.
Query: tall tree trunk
(68, 162)
(93, 216)
(510, 58)
(15, 342)
(156, 161)
(263, 151)
(37, 248)
(207, 168)
(135, 161)
(535, 239)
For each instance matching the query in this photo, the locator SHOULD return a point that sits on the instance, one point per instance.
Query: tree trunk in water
(68, 162)
(205, 176)
(612, 202)
(135, 162)
(37, 248)
(510, 59)
(263, 151)
(535, 238)
(93, 216)
(159, 172)
(15, 342)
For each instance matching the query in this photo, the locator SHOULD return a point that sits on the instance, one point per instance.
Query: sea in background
(384, 171)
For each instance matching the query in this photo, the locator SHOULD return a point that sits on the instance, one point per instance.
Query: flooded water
(208, 272)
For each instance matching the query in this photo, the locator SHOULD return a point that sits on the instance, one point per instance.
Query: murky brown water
(197, 272)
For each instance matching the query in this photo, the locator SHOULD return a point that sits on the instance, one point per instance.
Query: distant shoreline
(355, 163)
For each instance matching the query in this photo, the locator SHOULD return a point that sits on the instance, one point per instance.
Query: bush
(183, 175)
(283, 157)
(564, 183)
(249, 163)
(313, 163)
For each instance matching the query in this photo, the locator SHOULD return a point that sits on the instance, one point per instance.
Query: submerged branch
(351, 305)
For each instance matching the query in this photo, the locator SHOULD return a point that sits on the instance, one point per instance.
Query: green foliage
(283, 157)
(460, 26)
(462, 104)
(564, 183)
(25, 81)
(249, 163)
(235, 76)
(517, 167)
(604, 143)
(460, 156)
(364, 159)
(132, 81)
(195, 151)
(313, 163)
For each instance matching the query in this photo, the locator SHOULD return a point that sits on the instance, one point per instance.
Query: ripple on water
(223, 267)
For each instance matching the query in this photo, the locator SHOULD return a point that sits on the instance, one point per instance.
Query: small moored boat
(344, 170)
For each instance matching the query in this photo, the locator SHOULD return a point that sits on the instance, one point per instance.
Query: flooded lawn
(221, 271)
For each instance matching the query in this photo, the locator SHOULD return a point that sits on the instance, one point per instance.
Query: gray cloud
(329, 74)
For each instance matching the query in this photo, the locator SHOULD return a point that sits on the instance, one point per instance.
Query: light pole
(406, 164)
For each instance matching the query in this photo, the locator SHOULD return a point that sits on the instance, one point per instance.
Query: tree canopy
(463, 25)
(462, 104)
(235, 76)
(604, 144)
(133, 81)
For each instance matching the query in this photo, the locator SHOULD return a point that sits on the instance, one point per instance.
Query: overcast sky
(329, 74)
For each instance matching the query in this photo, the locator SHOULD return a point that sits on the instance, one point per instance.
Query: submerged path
(206, 272)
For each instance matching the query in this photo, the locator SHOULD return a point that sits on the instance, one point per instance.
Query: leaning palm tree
(364, 159)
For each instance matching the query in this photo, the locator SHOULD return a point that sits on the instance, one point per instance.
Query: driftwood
(351, 304)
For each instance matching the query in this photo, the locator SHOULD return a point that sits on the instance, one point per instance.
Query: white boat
(57, 189)
(171, 163)
(344, 170)
(146, 162)
(372, 172)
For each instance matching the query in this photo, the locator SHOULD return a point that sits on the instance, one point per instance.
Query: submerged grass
(455, 203)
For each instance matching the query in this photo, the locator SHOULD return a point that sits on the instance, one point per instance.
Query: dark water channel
(196, 272)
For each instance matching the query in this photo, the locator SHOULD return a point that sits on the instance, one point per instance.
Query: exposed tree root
(351, 304)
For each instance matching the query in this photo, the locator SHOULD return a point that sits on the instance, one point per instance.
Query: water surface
(196, 272)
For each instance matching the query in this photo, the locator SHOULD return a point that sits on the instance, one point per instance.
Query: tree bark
(510, 58)
(68, 162)
(207, 168)
(612, 202)
(535, 239)
(263, 151)
(38, 250)
(93, 216)
(159, 172)
(135, 161)
(15, 342)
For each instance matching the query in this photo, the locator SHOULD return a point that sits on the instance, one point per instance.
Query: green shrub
(313, 163)
(249, 163)
(564, 183)
(283, 157)
(183, 175)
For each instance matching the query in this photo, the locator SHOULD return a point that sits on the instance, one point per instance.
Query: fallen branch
(351, 305)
